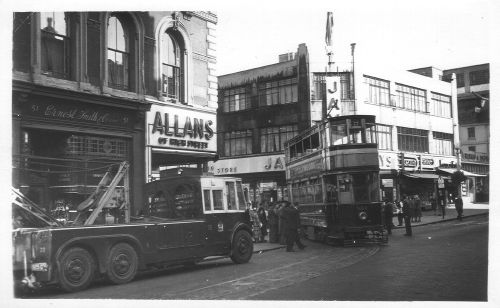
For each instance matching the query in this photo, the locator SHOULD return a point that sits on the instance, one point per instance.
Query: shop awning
(466, 173)
(422, 175)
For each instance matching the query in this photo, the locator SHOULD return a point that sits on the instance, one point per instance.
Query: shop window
(55, 44)
(172, 62)
(120, 51)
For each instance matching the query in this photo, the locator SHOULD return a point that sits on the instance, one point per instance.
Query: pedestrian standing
(281, 226)
(272, 220)
(261, 212)
(411, 204)
(291, 225)
(388, 211)
(442, 205)
(399, 212)
(407, 217)
(418, 209)
(459, 206)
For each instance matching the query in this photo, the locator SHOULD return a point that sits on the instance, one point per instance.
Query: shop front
(179, 137)
(413, 174)
(64, 143)
(263, 176)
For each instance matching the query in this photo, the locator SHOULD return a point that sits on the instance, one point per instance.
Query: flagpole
(328, 39)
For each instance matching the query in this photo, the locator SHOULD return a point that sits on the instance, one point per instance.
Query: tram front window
(365, 187)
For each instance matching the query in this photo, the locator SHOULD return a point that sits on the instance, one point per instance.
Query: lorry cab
(199, 214)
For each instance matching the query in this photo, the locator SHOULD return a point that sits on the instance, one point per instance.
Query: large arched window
(172, 65)
(55, 44)
(118, 54)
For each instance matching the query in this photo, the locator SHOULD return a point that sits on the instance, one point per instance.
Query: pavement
(428, 217)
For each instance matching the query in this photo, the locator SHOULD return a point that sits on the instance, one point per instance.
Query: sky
(442, 34)
(398, 34)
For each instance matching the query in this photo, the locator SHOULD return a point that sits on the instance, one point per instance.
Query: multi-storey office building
(415, 132)
(413, 112)
(473, 94)
(259, 109)
(94, 88)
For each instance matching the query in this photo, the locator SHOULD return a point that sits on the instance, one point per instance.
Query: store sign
(476, 157)
(78, 112)
(388, 182)
(387, 161)
(178, 128)
(248, 165)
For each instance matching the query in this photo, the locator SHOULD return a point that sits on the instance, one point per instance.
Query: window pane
(231, 196)
(53, 22)
(241, 196)
(217, 197)
(206, 199)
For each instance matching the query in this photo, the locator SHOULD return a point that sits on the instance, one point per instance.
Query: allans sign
(181, 128)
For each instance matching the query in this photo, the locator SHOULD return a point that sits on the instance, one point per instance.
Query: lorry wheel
(76, 269)
(122, 263)
(242, 247)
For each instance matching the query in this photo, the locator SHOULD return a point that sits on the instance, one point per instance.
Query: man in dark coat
(459, 206)
(407, 216)
(261, 212)
(272, 219)
(291, 224)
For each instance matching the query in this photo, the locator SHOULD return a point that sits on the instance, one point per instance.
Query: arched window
(172, 65)
(55, 44)
(118, 56)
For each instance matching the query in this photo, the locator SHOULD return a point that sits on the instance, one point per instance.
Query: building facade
(473, 94)
(87, 87)
(259, 109)
(414, 114)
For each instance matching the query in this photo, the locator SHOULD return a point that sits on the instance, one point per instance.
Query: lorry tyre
(122, 263)
(242, 247)
(76, 269)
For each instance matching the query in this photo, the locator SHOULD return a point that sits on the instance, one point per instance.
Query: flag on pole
(329, 28)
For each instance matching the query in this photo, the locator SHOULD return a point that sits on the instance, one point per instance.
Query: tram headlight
(363, 215)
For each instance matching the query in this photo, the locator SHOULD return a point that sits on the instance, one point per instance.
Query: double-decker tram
(332, 174)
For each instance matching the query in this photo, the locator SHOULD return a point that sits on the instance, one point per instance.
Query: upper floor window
(378, 91)
(238, 143)
(172, 65)
(384, 137)
(479, 77)
(278, 92)
(119, 55)
(471, 133)
(272, 139)
(413, 140)
(55, 44)
(441, 105)
(235, 99)
(410, 98)
(443, 143)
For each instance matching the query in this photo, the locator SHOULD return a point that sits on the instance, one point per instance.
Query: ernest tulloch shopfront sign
(178, 128)
(77, 112)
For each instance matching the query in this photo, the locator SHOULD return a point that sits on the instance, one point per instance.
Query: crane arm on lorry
(90, 208)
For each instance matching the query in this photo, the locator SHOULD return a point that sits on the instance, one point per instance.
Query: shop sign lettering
(410, 162)
(74, 113)
(277, 165)
(385, 161)
(194, 129)
(172, 133)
